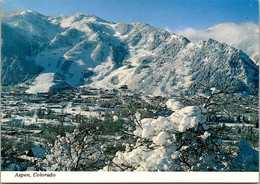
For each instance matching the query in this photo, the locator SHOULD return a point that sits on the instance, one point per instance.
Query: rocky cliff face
(17, 65)
(83, 49)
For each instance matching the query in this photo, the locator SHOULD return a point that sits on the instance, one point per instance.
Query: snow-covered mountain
(83, 49)
(244, 36)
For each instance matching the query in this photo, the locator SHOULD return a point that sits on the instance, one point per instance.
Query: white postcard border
(80, 177)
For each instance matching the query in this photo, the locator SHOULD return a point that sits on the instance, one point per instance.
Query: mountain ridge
(85, 50)
(243, 36)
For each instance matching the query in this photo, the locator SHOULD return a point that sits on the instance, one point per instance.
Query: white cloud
(189, 30)
(186, 30)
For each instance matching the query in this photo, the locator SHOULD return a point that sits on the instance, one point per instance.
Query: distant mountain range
(244, 36)
(54, 53)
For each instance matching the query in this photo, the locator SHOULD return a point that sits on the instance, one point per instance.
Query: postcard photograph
(164, 90)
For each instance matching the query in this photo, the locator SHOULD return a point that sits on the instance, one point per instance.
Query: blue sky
(172, 14)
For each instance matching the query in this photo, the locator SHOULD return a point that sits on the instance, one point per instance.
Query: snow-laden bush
(180, 142)
(174, 105)
(76, 151)
(183, 141)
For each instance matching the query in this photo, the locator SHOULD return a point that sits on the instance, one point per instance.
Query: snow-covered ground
(42, 83)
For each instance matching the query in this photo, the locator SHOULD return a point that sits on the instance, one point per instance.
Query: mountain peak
(27, 13)
(83, 49)
(243, 36)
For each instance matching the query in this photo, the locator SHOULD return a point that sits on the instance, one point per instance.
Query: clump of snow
(188, 117)
(138, 116)
(214, 90)
(146, 160)
(174, 105)
(175, 155)
(205, 135)
(115, 118)
(161, 138)
(147, 131)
